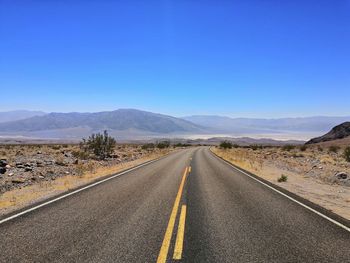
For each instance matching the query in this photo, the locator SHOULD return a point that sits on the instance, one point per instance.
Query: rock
(39, 152)
(76, 161)
(48, 162)
(60, 163)
(28, 169)
(41, 177)
(10, 174)
(2, 170)
(28, 165)
(341, 176)
(50, 173)
(18, 181)
(8, 166)
(3, 162)
(18, 164)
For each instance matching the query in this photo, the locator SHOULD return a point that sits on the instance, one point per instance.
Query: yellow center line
(180, 235)
(163, 253)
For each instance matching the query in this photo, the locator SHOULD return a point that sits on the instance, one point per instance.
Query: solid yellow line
(180, 234)
(163, 253)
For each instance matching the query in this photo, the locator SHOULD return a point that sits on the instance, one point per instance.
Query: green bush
(283, 178)
(226, 145)
(181, 145)
(334, 148)
(148, 146)
(303, 148)
(81, 154)
(101, 145)
(288, 147)
(55, 147)
(347, 153)
(163, 144)
(255, 147)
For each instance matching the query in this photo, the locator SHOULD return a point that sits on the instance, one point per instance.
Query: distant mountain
(131, 124)
(18, 115)
(251, 125)
(125, 121)
(338, 132)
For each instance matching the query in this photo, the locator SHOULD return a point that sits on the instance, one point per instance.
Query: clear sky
(246, 58)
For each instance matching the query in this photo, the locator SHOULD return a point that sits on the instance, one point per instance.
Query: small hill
(338, 132)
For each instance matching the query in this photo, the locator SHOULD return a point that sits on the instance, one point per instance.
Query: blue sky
(244, 58)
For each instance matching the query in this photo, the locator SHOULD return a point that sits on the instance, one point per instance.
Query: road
(189, 205)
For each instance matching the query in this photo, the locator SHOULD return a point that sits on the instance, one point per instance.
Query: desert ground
(36, 172)
(315, 172)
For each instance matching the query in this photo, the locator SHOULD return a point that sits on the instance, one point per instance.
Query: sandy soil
(310, 172)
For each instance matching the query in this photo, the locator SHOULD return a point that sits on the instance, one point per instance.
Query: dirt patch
(310, 172)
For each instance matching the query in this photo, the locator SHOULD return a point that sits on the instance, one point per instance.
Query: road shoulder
(310, 203)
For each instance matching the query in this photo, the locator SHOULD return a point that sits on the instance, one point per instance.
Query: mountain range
(19, 115)
(318, 124)
(122, 122)
(137, 124)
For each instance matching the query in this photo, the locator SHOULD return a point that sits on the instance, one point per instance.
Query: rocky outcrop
(338, 132)
(3, 166)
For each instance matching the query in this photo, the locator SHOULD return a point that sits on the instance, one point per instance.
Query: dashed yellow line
(163, 253)
(180, 235)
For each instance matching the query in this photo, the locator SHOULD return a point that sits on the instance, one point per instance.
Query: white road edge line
(291, 198)
(75, 192)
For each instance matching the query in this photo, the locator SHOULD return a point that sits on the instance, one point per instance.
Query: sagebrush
(100, 144)
(347, 153)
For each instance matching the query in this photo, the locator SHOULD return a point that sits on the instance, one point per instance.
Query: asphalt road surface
(187, 207)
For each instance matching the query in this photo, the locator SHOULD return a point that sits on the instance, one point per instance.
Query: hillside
(127, 120)
(338, 132)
